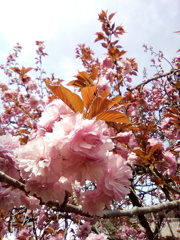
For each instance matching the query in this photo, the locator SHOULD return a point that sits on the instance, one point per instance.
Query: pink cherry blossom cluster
(67, 148)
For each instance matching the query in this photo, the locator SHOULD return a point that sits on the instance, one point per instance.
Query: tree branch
(142, 210)
(11, 181)
(172, 72)
(69, 208)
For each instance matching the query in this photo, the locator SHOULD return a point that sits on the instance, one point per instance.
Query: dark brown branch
(11, 181)
(69, 208)
(142, 219)
(172, 72)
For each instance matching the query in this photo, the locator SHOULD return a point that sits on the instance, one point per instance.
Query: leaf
(16, 69)
(88, 93)
(49, 230)
(94, 74)
(100, 36)
(83, 80)
(115, 100)
(139, 153)
(77, 83)
(111, 16)
(113, 116)
(176, 179)
(105, 45)
(152, 150)
(69, 98)
(98, 106)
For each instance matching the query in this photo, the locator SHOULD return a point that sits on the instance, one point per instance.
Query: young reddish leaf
(113, 116)
(83, 80)
(139, 153)
(94, 74)
(16, 69)
(88, 93)
(152, 150)
(104, 93)
(176, 179)
(111, 16)
(115, 100)
(98, 106)
(77, 83)
(49, 230)
(69, 98)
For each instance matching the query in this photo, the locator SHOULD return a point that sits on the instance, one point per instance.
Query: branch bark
(69, 208)
(172, 72)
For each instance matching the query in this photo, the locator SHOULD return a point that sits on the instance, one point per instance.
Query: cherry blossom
(93, 236)
(115, 183)
(38, 161)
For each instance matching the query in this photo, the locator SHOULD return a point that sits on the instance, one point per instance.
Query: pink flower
(9, 197)
(32, 85)
(9, 95)
(82, 146)
(84, 230)
(34, 101)
(107, 62)
(176, 61)
(115, 183)
(82, 168)
(38, 161)
(24, 234)
(52, 112)
(94, 201)
(54, 191)
(124, 137)
(109, 75)
(93, 236)
(166, 122)
(126, 67)
(8, 144)
(154, 141)
(104, 85)
(167, 165)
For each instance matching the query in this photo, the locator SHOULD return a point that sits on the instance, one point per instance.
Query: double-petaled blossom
(52, 112)
(73, 149)
(107, 62)
(100, 236)
(10, 197)
(176, 61)
(82, 146)
(168, 164)
(126, 67)
(94, 201)
(8, 144)
(84, 230)
(38, 161)
(116, 181)
(53, 191)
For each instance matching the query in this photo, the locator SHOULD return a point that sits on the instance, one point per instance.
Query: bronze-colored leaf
(111, 16)
(113, 116)
(49, 230)
(16, 69)
(88, 93)
(69, 98)
(94, 74)
(98, 106)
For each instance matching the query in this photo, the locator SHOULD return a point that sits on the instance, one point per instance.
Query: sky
(64, 24)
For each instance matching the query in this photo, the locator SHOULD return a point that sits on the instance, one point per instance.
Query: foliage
(101, 162)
